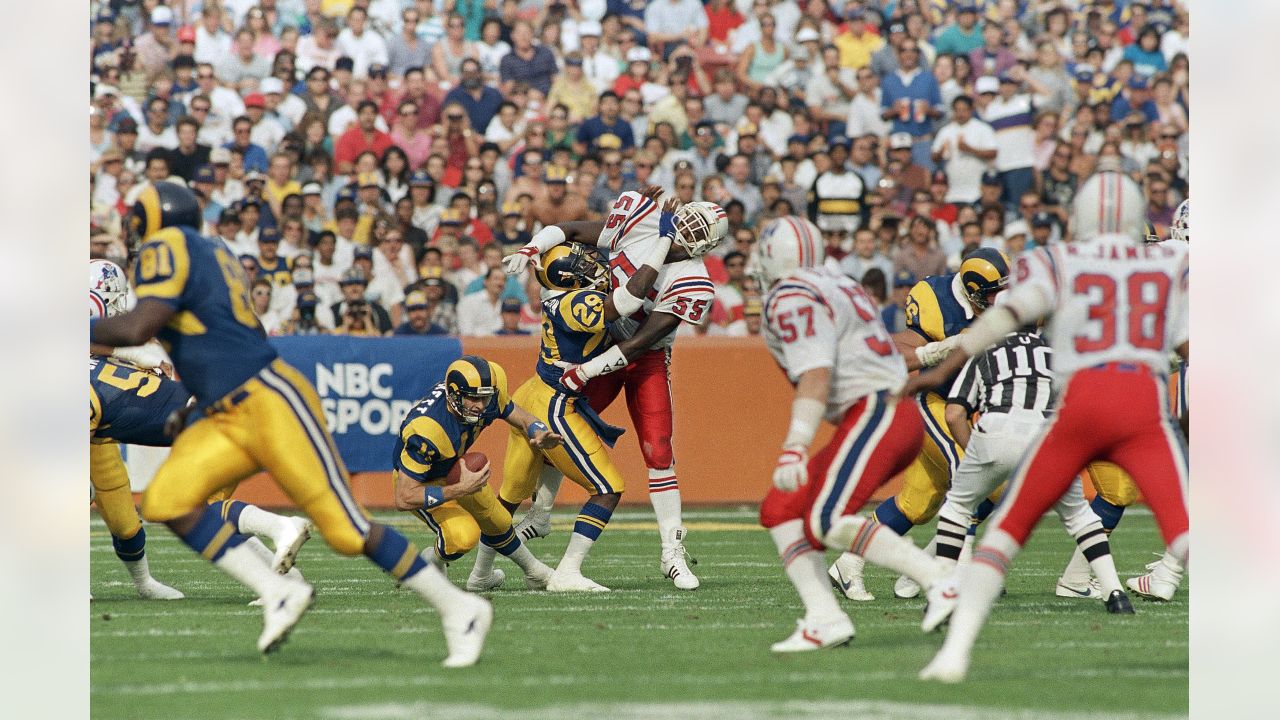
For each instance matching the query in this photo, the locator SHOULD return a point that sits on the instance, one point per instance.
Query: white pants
(997, 444)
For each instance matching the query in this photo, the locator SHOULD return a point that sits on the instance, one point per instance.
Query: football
(474, 461)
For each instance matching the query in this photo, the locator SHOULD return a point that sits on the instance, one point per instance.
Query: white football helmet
(785, 244)
(1180, 228)
(108, 289)
(700, 227)
(1108, 203)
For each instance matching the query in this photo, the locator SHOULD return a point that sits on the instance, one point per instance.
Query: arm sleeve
(806, 332)
(163, 267)
(965, 390)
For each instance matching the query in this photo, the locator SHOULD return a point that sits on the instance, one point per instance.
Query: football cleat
(573, 582)
(846, 576)
(905, 588)
(466, 624)
(289, 543)
(810, 635)
(946, 667)
(1159, 584)
(942, 600)
(153, 589)
(538, 580)
(1118, 603)
(281, 611)
(675, 562)
(534, 524)
(482, 583)
(1089, 591)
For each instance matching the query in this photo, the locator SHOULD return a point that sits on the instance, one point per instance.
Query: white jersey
(817, 317)
(682, 289)
(1111, 300)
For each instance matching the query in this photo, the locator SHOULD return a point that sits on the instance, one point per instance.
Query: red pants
(877, 439)
(1116, 412)
(648, 401)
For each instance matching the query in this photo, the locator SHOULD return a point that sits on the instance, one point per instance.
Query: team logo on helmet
(108, 289)
(571, 267)
(472, 378)
(985, 271)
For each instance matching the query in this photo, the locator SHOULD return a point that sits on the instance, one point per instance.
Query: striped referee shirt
(1014, 374)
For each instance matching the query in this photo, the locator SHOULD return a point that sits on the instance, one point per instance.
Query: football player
(1118, 307)
(434, 436)
(258, 413)
(130, 404)
(939, 308)
(576, 313)
(639, 362)
(825, 332)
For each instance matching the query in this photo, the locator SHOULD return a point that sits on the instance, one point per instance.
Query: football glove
(574, 379)
(516, 262)
(792, 469)
(931, 354)
(667, 225)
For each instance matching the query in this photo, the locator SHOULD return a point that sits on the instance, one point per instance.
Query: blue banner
(367, 386)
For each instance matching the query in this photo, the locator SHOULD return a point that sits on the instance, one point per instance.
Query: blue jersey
(130, 405)
(934, 311)
(573, 331)
(214, 338)
(432, 438)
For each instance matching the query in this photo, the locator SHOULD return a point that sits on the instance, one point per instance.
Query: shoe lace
(677, 553)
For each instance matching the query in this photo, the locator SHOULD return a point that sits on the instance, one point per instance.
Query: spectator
(598, 66)
(480, 313)
(354, 286)
(671, 23)
(480, 101)
(213, 43)
(854, 43)
(894, 312)
(531, 64)
(267, 131)
(738, 183)
(364, 136)
(966, 146)
(573, 90)
(404, 49)
(866, 255)
(358, 319)
(963, 36)
(994, 57)
(725, 105)
(605, 129)
(510, 311)
(838, 200)
(448, 54)
(556, 205)
(886, 60)
(243, 65)
(254, 157)
(418, 314)
(363, 46)
(1145, 54)
(260, 295)
(920, 254)
(761, 57)
(156, 132)
(156, 48)
(1012, 113)
(188, 154)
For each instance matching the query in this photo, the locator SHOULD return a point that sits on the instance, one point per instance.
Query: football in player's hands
(475, 462)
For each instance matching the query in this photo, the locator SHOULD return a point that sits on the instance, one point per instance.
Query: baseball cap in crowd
(228, 216)
(639, 54)
(378, 70)
(312, 188)
(807, 34)
(555, 174)
(682, 165)
(840, 141)
(510, 305)
(802, 139)
(573, 58)
(106, 15)
(704, 127)
(271, 86)
(246, 202)
(749, 129)
(1138, 82)
(346, 193)
(940, 178)
(966, 7)
(855, 12)
(182, 60)
(219, 156)
(986, 84)
(904, 278)
(368, 179)
(416, 300)
(353, 276)
(126, 124)
(111, 154)
(203, 174)
(511, 208)
(589, 28)
(897, 27)
(344, 63)
(162, 15)
(1041, 220)
(186, 33)
(307, 300)
(991, 177)
(420, 178)
(363, 252)
(1006, 77)
(900, 141)
(451, 216)
(255, 100)
(432, 277)
(303, 277)
(609, 141)
(1084, 75)
(771, 180)
(269, 235)
(753, 307)
(102, 91)
(254, 176)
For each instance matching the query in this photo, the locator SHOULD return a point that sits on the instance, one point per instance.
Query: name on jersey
(1153, 251)
(356, 395)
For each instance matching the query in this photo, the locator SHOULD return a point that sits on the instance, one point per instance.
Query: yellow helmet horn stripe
(150, 199)
(556, 253)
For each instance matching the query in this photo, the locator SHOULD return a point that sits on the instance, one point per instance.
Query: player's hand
(574, 379)
(516, 262)
(931, 354)
(545, 440)
(470, 481)
(653, 192)
(667, 223)
(177, 420)
(792, 469)
(165, 369)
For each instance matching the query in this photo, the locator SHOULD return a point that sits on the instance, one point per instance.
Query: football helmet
(700, 227)
(785, 244)
(571, 266)
(108, 289)
(983, 272)
(473, 378)
(1180, 228)
(1108, 203)
(161, 205)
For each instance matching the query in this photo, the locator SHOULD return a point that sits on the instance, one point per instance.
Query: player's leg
(301, 455)
(287, 533)
(114, 499)
(494, 521)
(648, 388)
(520, 469)
(1092, 544)
(1115, 492)
(988, 460)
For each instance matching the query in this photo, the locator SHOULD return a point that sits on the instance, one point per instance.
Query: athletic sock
(1094, 548)
(400, 559)
(132, 552)
(888, 514)
(966, 552)
(591, 521)
(218, 542)
(886, 549)
(664, 495)
(950, 536)
(508, 543)
(253, 520)
(806, 569)
(980, 584)
(544, 496)
(485, 556)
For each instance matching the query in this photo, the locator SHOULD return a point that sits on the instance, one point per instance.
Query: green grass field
(368, 650)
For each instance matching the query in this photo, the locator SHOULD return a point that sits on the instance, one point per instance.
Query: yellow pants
(582, 457)
(1113, 484)
(273, 422)
(459, 523)
(925, 482)
(114, 497)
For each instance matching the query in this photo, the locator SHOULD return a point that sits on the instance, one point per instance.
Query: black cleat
(1118, 603)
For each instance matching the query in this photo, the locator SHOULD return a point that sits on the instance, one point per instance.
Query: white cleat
(1089, 591)
(483, 583)
(538, 579)
(675, 563)
(534, 524)
(811, 635)
(946, 667)
(281, 611)
(153, 589)
(906, 588)
(573, 582)
(289, 543)
(846, 576)
(1159, 584)
(941, 602)
(466, 624)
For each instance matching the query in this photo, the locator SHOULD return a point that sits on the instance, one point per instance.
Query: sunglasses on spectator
(1169, 136)
(559, 116)
(474, 167)
(455, 118)
(908, 49)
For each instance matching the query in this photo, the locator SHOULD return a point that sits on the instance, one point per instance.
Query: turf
(368, 650)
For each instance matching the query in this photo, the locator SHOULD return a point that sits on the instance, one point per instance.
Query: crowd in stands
(371, 161)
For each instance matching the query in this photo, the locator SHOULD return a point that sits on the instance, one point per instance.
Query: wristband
(806, 414)
(432, 495)
(534, 428)
(546, 238)
(610, 360)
